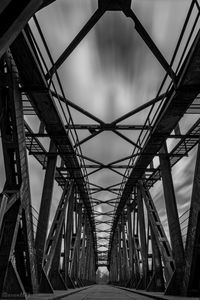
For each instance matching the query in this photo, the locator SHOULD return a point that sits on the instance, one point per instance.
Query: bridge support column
(68, 241)
(92, 267)
(89, 270)
(83, 251)
(125, 253)
(75, 265)
(114, 263)
(191, 280)
(130, 246)
(17, 230)
(143, 281)
(45, 205)
(156, 283)
(54, 275)
(52, 254)
(133, 255)
(87, 253)
(120, 256)
(160, 238)
(175, 285)
(136, 246)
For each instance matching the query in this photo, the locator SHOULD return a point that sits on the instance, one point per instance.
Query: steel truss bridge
(127, 236)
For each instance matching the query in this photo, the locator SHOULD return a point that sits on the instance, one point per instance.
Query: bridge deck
(105, 292)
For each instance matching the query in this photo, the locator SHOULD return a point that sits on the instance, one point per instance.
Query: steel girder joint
(114, 4)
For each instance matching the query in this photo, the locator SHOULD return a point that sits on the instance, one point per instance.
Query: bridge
(85, 190)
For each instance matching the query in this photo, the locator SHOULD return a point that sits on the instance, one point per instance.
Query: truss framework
(122, 237)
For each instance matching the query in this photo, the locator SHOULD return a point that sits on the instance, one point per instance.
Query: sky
(109, 74)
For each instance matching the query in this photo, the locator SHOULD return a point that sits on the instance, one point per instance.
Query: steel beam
(17, 176)
(106, 127)
(3, 207)
(87, 256)
(139, 109)
(130, 244)
(150, 43)
(143, 243)
(79, 37)
(191, 279)
(159, 234)
(56, 227)
(118, 233)
(83, 251)
(68, 239)
(46, 3)
(136, 249)
(13, 17)
(113, 5)
(126, 266)
(156, 283)
(173, 222)
(54, 275)
(75, 265)
(45, 205)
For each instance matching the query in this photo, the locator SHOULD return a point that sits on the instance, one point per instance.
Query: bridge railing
(188, 33)
(183, 219)
(35, 216)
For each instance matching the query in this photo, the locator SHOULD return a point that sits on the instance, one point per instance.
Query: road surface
(105, 292)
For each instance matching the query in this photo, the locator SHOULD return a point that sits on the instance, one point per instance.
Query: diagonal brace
(150, 43)
(76, 41)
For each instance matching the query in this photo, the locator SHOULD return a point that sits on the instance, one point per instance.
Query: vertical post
(114, 267)
(76, 252)
(91, 261)
(116, 245)
(119, 254)
(45, 205)
(80, 222)
(87, 258)
(125, 252)
(135, 245)
(130, 241)
(159, 233)
(68, 237)
(83, 250)
(191, 280)
(111, 266)
(143, 282)
(157, 282)
(173, 221)
(56, 226)
(54, 275)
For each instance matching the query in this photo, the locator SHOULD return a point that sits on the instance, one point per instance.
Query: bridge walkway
(105, 292)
